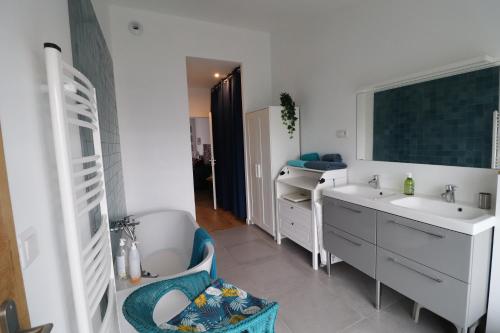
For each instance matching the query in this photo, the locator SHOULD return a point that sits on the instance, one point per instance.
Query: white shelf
(306, 169)
(307, 183)
(306, 204)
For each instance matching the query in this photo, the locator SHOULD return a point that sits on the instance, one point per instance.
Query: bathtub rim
(205, 264)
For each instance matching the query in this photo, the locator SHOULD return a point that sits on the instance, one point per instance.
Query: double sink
(454, 216)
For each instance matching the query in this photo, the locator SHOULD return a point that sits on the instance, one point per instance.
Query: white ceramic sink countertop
(433, 210)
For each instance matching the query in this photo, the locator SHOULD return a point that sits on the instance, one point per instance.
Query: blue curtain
(227, 126)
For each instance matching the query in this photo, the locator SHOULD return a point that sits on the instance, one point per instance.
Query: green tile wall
(447, 121)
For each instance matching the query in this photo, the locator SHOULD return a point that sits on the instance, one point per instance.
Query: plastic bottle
(134, 264)
(120, 260)
(409, 185)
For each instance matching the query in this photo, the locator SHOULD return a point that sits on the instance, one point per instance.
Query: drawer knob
(291, 207)
(293, 223)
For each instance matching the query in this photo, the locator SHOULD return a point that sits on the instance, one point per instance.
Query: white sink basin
(363, 191)
(441, 208)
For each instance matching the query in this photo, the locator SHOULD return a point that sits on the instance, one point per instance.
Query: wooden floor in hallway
(213, 220)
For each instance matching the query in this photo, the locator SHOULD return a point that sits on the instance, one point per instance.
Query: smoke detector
(135, 28)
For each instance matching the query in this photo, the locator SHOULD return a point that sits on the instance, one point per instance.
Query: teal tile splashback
(446, 121)
(92, 57)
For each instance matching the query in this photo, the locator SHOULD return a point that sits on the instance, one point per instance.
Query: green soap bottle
(409, 186)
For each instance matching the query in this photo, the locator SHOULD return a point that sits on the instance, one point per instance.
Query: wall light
(217, 75)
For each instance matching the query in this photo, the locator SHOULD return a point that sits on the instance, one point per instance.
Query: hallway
(210, 219)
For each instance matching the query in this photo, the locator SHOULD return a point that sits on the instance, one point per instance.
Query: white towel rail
(495, 158)
(81, 184)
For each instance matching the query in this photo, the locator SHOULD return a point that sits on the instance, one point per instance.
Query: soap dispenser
(134, 264)
(409, 185)
(121, 261)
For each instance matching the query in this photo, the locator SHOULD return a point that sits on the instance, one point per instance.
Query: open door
(212, 159)
(14, 315)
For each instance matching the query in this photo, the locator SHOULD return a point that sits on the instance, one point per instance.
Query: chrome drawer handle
(416, 229)
(351, 209)
(435, 279)
(345, 238)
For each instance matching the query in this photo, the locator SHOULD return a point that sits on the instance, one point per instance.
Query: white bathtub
(165, 244)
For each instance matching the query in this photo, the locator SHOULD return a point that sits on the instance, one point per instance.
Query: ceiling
(200, 71)
(263, 15)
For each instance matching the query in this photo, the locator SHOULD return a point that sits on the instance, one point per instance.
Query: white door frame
(212, 159)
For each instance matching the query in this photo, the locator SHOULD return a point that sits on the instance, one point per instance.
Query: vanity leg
(461, 329)
(315, 260)
(329, 263)
(473, 328)
(377, 295)
(416, 312)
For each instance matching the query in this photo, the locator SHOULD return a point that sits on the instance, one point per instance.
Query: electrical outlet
(28, 247)
(342, 133)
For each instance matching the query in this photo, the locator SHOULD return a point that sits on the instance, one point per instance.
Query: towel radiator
(495, 156)
(73, 106)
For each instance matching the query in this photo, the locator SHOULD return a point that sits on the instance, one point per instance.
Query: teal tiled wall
(92, 57)
(446, 121)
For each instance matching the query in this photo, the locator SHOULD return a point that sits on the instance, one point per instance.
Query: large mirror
(444, 121)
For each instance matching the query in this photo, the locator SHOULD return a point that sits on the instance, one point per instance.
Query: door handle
(9, 322)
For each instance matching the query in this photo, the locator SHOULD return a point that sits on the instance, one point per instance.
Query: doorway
(216, 124)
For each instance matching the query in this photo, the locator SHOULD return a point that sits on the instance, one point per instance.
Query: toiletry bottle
(120, 260)
(409, 186)
(134, 264)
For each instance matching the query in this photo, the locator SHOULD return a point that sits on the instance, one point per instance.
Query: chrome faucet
(375, 182)
(449, 193)
(127, 225)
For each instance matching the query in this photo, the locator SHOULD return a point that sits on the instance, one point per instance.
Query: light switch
(342, 133)
(28, 247)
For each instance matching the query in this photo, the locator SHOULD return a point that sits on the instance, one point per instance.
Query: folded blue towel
(296, 163)
(310, 157)
(332, 158)
(201, 239)
(325, 165)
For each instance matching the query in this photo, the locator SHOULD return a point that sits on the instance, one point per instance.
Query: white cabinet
(301, 222)
(268, 147)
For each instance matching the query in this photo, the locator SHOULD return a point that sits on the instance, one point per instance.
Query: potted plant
(288, 113)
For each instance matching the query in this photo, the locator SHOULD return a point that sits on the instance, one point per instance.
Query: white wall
(324, 63)
(25, 121)
(153, 111)
(199, 101)
(101, 9)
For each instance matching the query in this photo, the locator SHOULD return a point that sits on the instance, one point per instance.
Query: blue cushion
(219, 306)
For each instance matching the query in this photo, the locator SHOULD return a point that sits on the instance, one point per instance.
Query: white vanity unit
(301, 221)
(434, 252)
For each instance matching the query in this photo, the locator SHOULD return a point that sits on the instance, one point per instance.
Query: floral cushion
(220, 305)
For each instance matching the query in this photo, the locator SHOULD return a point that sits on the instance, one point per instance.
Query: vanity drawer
(354, 219)
(435, 291)
(293, 211)
(444, 250)
(353, 250)
(299, 231)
